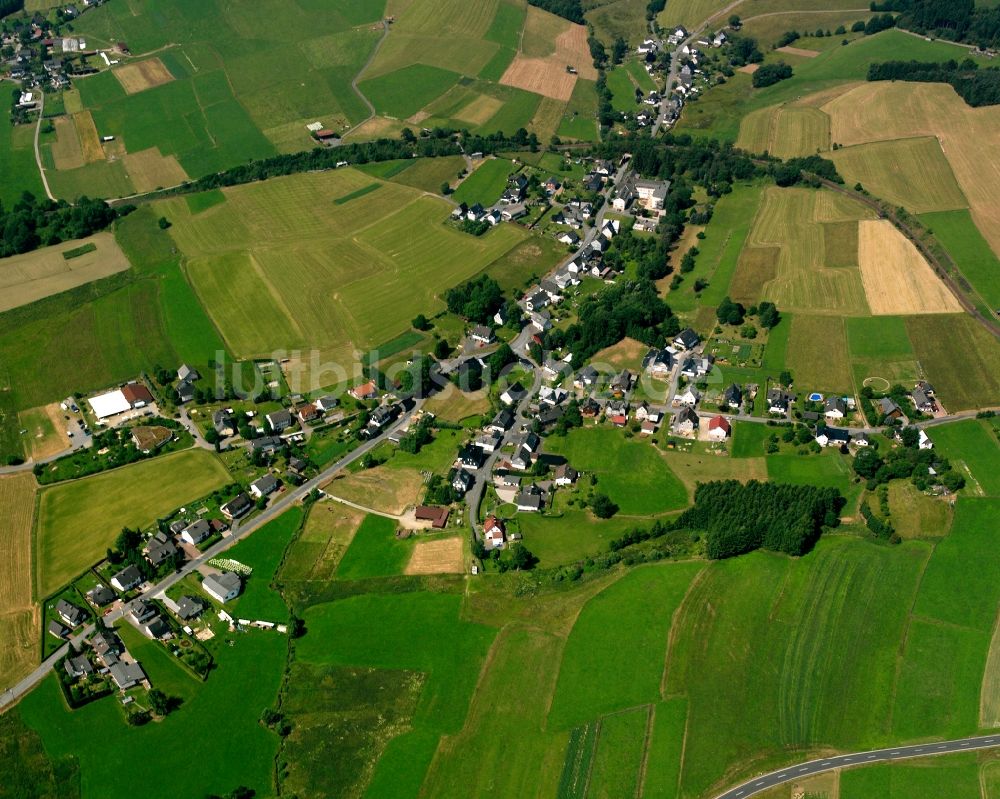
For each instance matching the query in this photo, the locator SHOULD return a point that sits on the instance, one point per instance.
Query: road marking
(871, 757)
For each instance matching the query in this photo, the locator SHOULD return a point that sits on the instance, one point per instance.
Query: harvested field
(896, 277)
(799, 51)
(969, 137)
(913, 173)
(453, 405)
(18, 614)
(46, 428)
(382, 489)
(66, 150)
(840, 243)
(787, 131)
(480, 110)
(42, 273)
(989, 702)
(546, 74)
(143, 75)
(817, 353)
(90, 142)
(149, 170)
(626, 354)
(756, 266)
(443, 556)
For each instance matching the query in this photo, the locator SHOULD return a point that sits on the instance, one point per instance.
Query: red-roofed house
(494, 532)
(137, 395)
(308, 412)
(718, 428)
(324, 134)
(365, 391)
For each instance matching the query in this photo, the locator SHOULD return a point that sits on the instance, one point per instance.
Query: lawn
(374, 551)
(969, 250)
(263, 552)
(486, 183)
(807, 609)
(916, 515)
(749, 439)
(622, 90)
(78, 520)
(960, 358)
(614, 656)
(973, 443)
(631, 472)
(567, 535)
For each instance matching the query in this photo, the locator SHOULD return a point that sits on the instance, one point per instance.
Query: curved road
(766, 781)
(38, 153)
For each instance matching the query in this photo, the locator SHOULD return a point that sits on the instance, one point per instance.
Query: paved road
(238, 532)
(765, 781)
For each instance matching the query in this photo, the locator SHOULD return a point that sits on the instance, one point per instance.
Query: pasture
(612, 662)
(913, 173)
(817, 354)
(631, 472)
(374, 551)
(828, 469)
(78, 520)
(960, 358)
(44, 272)
(809, 697)
(896, 277)
(18, 612)
(17, 162)
(316, 553)
(972, 443)
(916, 515)
(951, 775)
(621, 747)
(371, 263)
(486, 183)
(962, 240)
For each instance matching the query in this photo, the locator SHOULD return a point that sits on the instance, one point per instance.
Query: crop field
(486, 183)
(372, 263)
(42, 273)
(811, 696)
(632, 473)
(896, 277)
(612, 662)
(138, 76)
(913, 173)
(817, 354)
(77, 521)
(785, 261)
(967, 135)
(950, 775)
(441, 556)
(786, 131)
(960, 237)
(18, 613)
(327, 534)
(973, 443)
(960, 358)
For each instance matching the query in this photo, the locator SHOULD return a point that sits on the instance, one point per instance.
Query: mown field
(972, 443)
(18, 616)
(78, 520)
(17, 162)
(960, 237)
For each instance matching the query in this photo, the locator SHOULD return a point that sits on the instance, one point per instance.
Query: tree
(442, 349)
(445, 188)
(769, 74)
(163, 222)
(748, 331)
(767, 315)
(730, 313)
(420, 322)
(619, 50)
(785, 378)
(603, 506)
(522, 558)
(867, 463)
(909, 436)
(735, 22)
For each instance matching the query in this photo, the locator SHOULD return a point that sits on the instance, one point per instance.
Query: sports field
(372, 263)
(42, 273)
(78, 520)
(18, 612)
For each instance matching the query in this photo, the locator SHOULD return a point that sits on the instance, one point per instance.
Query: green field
(612, 662)
(973, 443)
(17, 162)
(817, 354)
(749, 439)
(878, 338)
(663, 763)
(78, 520)
(263, 551)
(486, 184)
(965, 244)
(826, 469)
(632, 473)
(580, 119)
(405, 91)
(960, 358)
(951, 775)
(622, 90)
(375, 551)
(617, 765)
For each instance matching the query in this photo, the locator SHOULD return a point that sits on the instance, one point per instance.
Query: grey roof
(834, 434)
(687, 415)
(887, 405)
(267, 442)
(279, 418)
(529, 499)
(223, 583)
(189, 606)
(157, 627)
(77, 666)
(101, 595)
(70, 612)
(198, 530)
(58, 629)
(130, 575)
(160, 553)
(265, 484)
(688, 338)
(835, 404)
(238, 505)
(126, 675)
(104, 641)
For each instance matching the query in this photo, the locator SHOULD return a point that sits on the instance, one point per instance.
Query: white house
(924, 442)
(494, 532)
(196, 532)
(690, 397)
(222, 587)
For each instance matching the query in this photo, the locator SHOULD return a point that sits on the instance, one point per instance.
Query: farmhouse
(437, 516)
(196, 532)
(264, 486)
(494, 532)
(222, 587)
(127, 579)
(279, 420)
(238, 506)
(718, 428)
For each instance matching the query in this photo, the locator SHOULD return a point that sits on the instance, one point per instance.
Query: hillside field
(78, 520)
(18, 612)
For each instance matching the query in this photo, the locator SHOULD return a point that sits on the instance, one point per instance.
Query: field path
(364, 508)
(354, 82)
(808, 11)
(764, 782)
(38, 153)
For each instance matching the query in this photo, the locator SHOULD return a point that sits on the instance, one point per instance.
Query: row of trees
(32, 223)
(567, 9)
(978, 87)
(769, 74)
(958, 20)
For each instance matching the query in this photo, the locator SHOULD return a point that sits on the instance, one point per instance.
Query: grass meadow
(264, 551)
(950, 775)
(17, 162)
(632, 472)
(965, 244)
(972, 443)
(617, 765)
(486, 183)
(960, 358)
(817, 354)
(374, 551)
(18, 617)
(78, 520)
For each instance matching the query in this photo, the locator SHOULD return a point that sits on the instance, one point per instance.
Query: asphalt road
(765, 781)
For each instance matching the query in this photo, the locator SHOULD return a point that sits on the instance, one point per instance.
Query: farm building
(437, 516)
(110, 404)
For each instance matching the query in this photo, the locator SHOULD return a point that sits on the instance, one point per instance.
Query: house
(720, 39)
(127, 579)
(187, 374)
(586, 377)
(778, 401)
(832, 436)
(494, 532)
(648, 427)
(58, 629)
(565, 475)
(238, 506)
(552, 185)
(100, 596)
(555, 369)
(513, 394)
(888, 409)
(718, 428)
(297, 465)
(924, 441)
(157, 629)
(590, 408)
(835, 408)
(383, 415)
(475, 213)
(652, 193)
(530, 500)
(326, 403)
(686, 421)
(137, 395)
(501, 317)
(127, 675)
(689, 397)
(196, 532)
(513, 211)
(224, 423)
(489, 441)
(659, 362)
(267, 445)
(106, 646)
(621, 383)
(460, 211)
(733, 397)
(437, 516)
(535, 302)
(521, 460)
(279, 420)
(541, 320)
(222, 587)
(482, 334)
(142, 611)
(70, 613)
(552, 395)
(861, 440)
(569, 237)
(308, 412)
(471, 457)
(461, 482)
(647, 46)
(189, 607)
(624, 193)
(687, 339)
(923, 400)
(696, 367)
(550, 415)
(159, 552)
(78, 666)
(264, 486)
(502, 422)
(366, 391)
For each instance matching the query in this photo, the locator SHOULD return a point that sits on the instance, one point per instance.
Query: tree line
(978, 87)
(32, 223)
(567, 9)
(956, 20)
